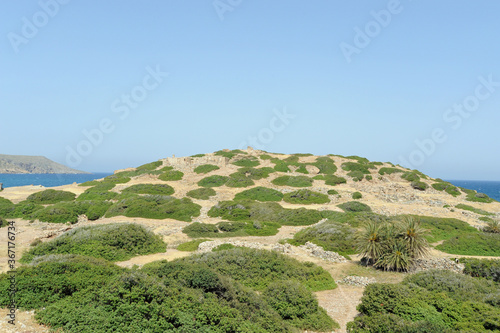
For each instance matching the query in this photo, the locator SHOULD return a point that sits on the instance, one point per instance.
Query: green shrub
(295, 304)
(474, 244)
(149, 166)
(203, 193)
(98, 193)
(171, 175)
(389, 171)
(155, 207)
(54, 277)
(118, 178)
(334, 180)
(162, 189)
(231, 229)
(3, 222)
(63, 212)
(319, 177)
(330, 235)
(357, 176)
(206, 168)
(280, 165)
(239, 181)
(257, 269)
(356, 195)
(332, 192)
(294, 181)
(305, 197)
(213, 181)
(479, 197)
(50, 196)
(353, 166)
(229, 154)
(249, 161)
(223, 247)
(191, 246)
(354, 206)
(113, 242)
(430, 301)
(421, 186)
(252, 173)
(24, 209)
(486, 268)
(368, 177)
(198, 155)
(265, 157)
(444, 228)
(411, 176)
(325, 165)
(473, 209)
(260, 193)
(244, 210)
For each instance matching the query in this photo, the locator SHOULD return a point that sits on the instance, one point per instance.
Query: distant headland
(32, 164)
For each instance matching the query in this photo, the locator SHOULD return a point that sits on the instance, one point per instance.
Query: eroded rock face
(314, 170)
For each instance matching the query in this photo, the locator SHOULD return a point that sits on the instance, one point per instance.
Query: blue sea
(490, 188)
(47, 180)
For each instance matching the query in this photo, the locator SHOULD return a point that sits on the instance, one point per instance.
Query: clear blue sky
(364, 78)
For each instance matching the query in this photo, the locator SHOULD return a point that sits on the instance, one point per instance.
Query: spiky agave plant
(414, 236)
(369, 241)
(395, 256)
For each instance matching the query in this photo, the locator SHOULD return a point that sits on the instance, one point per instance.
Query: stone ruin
(192, 162)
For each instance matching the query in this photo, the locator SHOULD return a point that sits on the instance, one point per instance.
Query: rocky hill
(32, 164)
(255, 218)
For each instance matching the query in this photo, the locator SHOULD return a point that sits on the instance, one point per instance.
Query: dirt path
(24, 323)
(340, 303)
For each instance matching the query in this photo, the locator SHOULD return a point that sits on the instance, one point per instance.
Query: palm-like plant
(369, 241)
(395, 256)
(492, 226)
(413, 235)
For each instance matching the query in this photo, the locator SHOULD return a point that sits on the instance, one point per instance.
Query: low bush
(486, 268)
(354, 206)
(252, 173)
(258, 269)
(353, 166)
(421, 186)
(389, 171)
(191, 246)
(411, 176)
(229, 154)
(325, 165)
(474, 244)
(280, 165)
(155, 207)
(244, 210)
(239, 181)
(198, 155)
(265, 157)
(430, 301)
(171, 175)
(298, 306)
(3, 222)
(249, 161)
(332, 192)
(162, 189)
(473, 209)
(50, 196)
(203, 193)
(356, 175)
(213, 181)
(356, 195)
(63, 212)
(294, 181)
(444, 228)
(305, 197)
(118, 178)
(260, 193)
(231, 229)
(334, 180)
(114, 242)
(223, 247)
(368, 177)
(479, 197)
(206, 168)
(330, 235)
(448, 187)
(98, 193)
(54, 277)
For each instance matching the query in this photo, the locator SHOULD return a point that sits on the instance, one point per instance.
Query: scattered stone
(318, 252)
(436, 263)
(358, 281)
